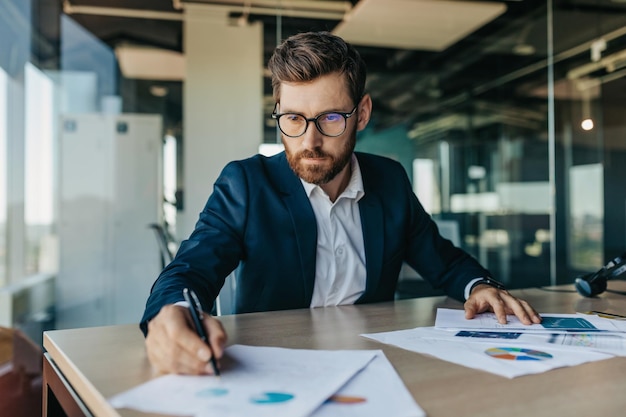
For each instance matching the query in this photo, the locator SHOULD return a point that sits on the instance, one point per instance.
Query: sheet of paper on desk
(618, 323)
(499, 357)
(375, 391)
(452, 319)
(256, 381)
(598, 342)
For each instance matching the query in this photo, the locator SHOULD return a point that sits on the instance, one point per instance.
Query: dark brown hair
(307, 56)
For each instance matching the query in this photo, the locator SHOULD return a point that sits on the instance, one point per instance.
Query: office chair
(163, 240)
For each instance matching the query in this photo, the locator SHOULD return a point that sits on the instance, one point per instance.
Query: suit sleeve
(213, 250)
(435, 258)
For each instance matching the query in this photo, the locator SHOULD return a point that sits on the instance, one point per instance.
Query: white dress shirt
(340, 271)
(340, 259)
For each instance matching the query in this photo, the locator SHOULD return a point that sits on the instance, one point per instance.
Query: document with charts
(611, 344)
(269, 381)
(498, 356)
(512, 349)
(451, 319)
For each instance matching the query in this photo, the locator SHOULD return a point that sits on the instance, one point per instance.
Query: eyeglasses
(330, 123)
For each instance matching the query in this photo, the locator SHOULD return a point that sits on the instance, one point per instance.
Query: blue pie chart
(271, 398)
(212, 392)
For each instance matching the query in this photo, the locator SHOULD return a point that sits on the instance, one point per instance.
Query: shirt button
(339, 251)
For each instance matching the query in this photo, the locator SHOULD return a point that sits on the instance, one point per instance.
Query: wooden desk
(100, 362)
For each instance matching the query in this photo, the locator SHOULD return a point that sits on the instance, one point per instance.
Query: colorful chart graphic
(271, 398)
(573, 323)
(586, 340)
(212, 392)
(517, 354)
(488, 335)
(345, 399)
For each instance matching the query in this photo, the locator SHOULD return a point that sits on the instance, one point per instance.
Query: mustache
(312, 153)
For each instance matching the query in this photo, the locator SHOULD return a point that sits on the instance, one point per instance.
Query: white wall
(223, 112)
(109, 193)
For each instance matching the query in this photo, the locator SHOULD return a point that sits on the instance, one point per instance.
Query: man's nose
(312, 138)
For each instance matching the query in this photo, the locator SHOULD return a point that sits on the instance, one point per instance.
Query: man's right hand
(173, 346)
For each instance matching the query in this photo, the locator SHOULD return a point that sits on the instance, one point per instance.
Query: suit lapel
(305, 226)
(372, 224)
(370, 208)
(303, 218)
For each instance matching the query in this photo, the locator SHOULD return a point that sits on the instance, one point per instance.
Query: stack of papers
(513, 349)
(268, 381)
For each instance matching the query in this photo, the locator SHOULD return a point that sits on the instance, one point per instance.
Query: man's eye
(293, 118)
(331, 117)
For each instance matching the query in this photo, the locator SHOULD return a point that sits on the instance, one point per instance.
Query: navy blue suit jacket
(259, 220)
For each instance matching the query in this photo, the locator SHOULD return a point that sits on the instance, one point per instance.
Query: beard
(317, 174)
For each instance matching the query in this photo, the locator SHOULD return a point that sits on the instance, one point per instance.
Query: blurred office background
(116, 116)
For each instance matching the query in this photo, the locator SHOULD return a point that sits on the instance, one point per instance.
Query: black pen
(195, 308)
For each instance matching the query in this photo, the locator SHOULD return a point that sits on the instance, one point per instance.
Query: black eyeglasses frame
(315, 119)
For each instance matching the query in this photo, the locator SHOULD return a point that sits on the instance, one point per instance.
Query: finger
(536, 317)
(158, 344)
(532, 314)
(478, 303)
(180, 361)
(163, 352)
(196, 353)
(522, 310)
(471, 309)
(172, 344)
(515, 307)
(217, 336)
(497, 306)
(155, 355)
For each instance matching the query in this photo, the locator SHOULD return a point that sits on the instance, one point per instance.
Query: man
(317, 225)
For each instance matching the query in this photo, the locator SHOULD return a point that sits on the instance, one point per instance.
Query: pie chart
(212, 392)
(517, 354)
(345, 399)
(271, 398)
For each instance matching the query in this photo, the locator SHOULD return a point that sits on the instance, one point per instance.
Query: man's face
(316, 158)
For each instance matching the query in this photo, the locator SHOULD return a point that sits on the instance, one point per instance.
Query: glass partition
(513, 135)
(476, 144)
(15, 48)
(535, 204)
(589, 94)
(3, 176)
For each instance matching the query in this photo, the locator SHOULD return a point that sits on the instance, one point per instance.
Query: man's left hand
(500, 302)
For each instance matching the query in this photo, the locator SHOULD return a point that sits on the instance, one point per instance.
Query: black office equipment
(590, 285)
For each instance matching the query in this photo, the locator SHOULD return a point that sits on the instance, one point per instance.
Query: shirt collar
(354, 190)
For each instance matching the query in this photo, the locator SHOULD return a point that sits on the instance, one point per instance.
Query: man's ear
(364, 112)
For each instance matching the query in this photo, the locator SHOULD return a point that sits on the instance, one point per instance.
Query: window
(38, 168)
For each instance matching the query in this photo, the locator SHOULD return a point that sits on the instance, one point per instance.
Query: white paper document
(267, 381)
(598, 342)
(554, 323)
(499, 357)
(256, 381)
(375, 391)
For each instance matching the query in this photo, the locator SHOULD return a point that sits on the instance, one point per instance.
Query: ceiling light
(416, 24)
(586, 124)
(523, 49)
(158, 90)
(150, 63)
